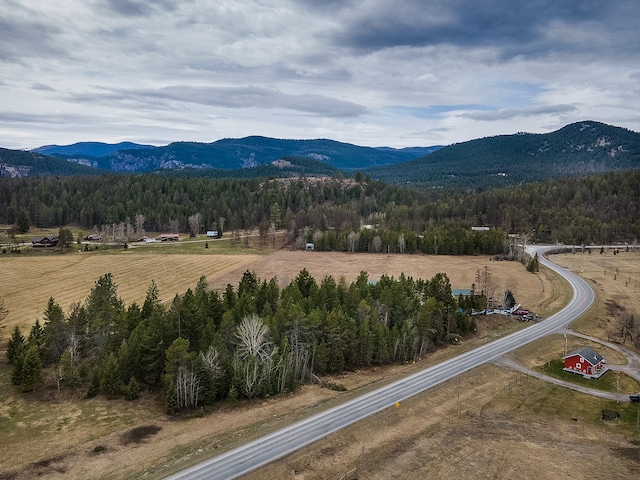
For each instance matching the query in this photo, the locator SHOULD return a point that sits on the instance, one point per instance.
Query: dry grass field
(27, 282)
(503, 426)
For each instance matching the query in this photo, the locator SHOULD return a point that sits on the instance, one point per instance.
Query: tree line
(598, 209)
(255, 340)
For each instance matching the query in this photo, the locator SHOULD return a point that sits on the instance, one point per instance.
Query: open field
(27, 282)
(508, 425)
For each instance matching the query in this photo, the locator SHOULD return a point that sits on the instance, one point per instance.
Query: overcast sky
(370, 72)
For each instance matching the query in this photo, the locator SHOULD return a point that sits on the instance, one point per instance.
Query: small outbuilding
(586, 362)
(169, 237)
(309, 246)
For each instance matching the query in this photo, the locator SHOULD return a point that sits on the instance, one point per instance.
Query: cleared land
(504, 424)
(26, 283)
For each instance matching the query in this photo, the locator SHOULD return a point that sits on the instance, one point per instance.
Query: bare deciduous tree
(352, 241)
(253, 361)
(253, 340)
(211, 359)
(194, 223)
(174, 226)
(139, 221)
(272, 234)
(187, 387)
(376, 244)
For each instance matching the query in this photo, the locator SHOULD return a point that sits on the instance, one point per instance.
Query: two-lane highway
(262, 451)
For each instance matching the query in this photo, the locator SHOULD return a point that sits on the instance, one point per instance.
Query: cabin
(44, 242)
(586, 362)
(169, 237)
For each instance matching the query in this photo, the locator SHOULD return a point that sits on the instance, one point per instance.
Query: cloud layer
(370, 72)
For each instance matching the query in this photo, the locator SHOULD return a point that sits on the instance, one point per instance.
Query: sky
(392, 73)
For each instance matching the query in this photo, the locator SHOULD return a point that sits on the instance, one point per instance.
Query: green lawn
(608, 382)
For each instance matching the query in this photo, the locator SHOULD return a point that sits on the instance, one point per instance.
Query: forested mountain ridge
(578, 149)
(92, 149)
(582, 148)
(237, 153)
(18, 163)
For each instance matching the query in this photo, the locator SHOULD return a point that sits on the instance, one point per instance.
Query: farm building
(40, 242)
(586, 362)
(93, 238)
(169, 237)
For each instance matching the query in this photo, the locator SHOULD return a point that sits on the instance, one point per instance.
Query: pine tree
(31, 370)
(110, 378)
(37, 335)
(16, 346)
(133, 389)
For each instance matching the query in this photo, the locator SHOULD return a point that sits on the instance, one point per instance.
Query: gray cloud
(42, 87)
(395, 72)
(233, 97)
(22, 38)
(135, 8)
(512, 27)
(510, 113)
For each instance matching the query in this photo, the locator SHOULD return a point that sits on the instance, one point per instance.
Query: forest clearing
(488, 428)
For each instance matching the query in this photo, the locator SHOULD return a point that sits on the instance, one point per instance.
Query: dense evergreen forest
(255, 340)
(338, 214)
(578, 149)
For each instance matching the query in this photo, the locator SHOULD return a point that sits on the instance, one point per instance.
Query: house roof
(588, 353)
(41, 239)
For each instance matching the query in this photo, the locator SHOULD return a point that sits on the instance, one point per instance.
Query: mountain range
(580, 148)
(91, 149)
(230, 154)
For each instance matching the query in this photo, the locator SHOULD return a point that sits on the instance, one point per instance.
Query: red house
(586, 362)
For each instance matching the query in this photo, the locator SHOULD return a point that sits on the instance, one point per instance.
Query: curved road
(262, 451)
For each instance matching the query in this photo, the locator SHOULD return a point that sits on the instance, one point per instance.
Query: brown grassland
(489, 423)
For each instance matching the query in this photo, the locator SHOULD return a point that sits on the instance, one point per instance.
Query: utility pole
(459, 386)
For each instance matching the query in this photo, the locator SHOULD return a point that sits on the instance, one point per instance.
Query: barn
(586, 362)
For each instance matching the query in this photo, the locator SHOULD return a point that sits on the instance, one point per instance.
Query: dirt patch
(139, 434)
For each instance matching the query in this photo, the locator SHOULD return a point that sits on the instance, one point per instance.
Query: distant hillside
(282, 168)
(581, 148)
(91, 149)
(18, 163)
(249, 152)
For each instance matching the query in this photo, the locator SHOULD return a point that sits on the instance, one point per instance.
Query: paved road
(264, 450)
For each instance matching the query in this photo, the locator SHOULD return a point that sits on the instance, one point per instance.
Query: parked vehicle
(635, 398)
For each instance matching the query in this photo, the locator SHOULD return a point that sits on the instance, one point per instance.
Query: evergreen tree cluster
(255, 340)
(332, 213)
